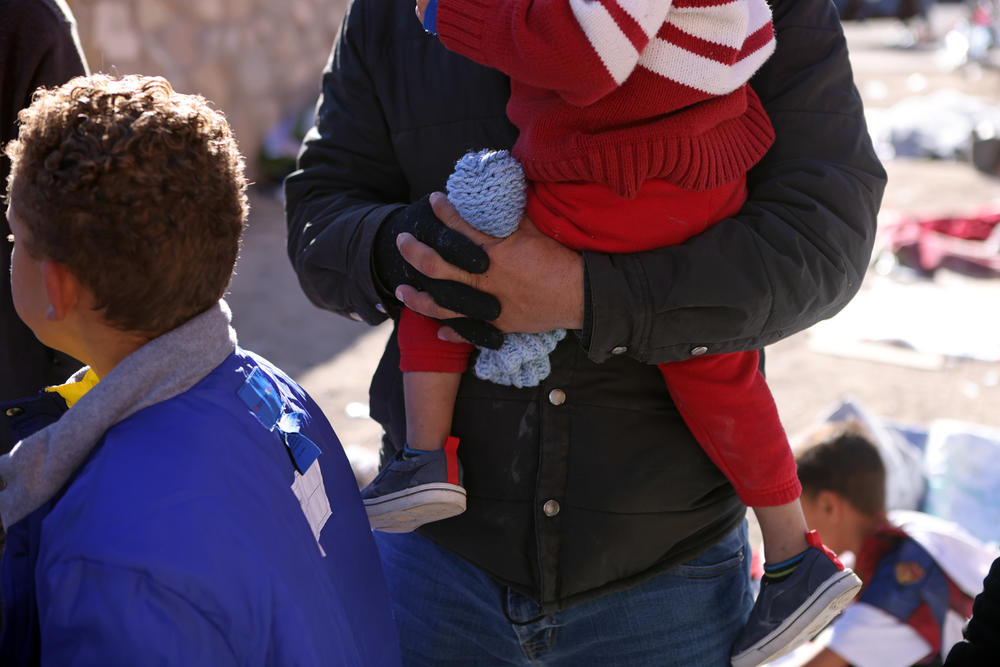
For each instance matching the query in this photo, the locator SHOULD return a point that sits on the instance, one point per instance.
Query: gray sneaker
(792, 611)
(409, 492)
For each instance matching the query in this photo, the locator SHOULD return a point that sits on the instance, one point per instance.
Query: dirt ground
(334, 357)
(805, 381)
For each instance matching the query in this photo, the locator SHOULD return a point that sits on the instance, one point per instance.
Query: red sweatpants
(723, 398)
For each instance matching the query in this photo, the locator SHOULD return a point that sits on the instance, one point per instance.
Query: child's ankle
(410, 452)
(781, 570)
(418, 447)
(778, 548)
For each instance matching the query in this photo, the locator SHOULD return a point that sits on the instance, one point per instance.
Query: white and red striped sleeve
(580, 49)
(584, 49)
(714, 46)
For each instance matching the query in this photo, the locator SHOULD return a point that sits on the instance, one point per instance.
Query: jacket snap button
(557, 397)
(551, 507)
(698, 351)
(13, 412)
(621, 349)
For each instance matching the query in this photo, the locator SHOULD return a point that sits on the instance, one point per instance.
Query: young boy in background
(180, 500)
(920, 572)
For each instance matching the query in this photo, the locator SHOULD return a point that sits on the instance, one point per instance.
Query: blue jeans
(450, 613)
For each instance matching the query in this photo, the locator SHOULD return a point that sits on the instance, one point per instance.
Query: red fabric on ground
(971, 240)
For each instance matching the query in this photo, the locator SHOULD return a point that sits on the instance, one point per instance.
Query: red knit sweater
(622, 91)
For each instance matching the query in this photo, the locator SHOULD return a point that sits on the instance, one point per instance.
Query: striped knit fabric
(621, 91)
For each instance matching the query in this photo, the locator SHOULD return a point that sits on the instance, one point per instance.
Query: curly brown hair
(140, 191)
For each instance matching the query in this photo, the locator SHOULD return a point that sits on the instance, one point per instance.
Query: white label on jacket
(312, 497)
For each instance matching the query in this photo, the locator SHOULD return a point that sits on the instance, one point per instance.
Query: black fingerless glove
(391, 271)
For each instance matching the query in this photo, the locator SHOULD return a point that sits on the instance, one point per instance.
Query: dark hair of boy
(842, 458)
(138, 190)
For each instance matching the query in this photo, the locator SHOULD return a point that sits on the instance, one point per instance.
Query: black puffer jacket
(632, 493)
(982, 634)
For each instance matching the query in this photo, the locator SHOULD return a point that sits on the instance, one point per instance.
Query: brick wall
(258, 60)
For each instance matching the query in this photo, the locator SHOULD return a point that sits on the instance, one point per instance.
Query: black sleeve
(38, 47)
(982, 634)
(347, 182)
(798, 250)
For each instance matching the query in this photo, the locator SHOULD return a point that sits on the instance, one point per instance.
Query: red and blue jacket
(904, 580)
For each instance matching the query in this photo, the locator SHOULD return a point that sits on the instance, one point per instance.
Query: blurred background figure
(38, 47)
(903, 9)
(972, 25)
(920, 572)
(915, 13)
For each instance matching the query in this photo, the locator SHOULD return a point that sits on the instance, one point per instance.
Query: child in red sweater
(638, 111)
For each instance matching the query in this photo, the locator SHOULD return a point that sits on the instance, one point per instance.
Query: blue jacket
(181, 540)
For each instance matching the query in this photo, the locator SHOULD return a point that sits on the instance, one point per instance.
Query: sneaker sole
(406, 510)
(808, 620)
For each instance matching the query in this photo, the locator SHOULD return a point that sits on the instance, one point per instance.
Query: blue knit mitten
(488, 189)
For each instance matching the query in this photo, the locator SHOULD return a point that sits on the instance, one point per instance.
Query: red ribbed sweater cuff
(461, 25)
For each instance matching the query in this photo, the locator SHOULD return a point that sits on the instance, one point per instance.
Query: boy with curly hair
(180, 500)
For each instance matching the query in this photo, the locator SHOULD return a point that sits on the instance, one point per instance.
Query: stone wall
(258, 60)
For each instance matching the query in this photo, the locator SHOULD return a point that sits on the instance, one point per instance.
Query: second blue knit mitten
(488, 189)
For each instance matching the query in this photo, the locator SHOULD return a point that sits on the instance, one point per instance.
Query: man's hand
(391, 270)
(538, 281)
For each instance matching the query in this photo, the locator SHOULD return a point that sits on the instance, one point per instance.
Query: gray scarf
(38, 466)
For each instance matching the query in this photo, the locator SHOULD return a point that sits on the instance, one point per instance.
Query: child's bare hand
(421, 6)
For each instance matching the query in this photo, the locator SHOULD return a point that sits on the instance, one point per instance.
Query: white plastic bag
(963, 476)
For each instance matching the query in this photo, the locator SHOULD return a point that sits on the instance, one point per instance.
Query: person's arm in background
(346, 201)
(795, 255)
(347, 183)
(38, 47)
(982, 633)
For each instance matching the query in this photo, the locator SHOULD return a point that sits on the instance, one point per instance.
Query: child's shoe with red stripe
(410, 491)
(791, 611)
